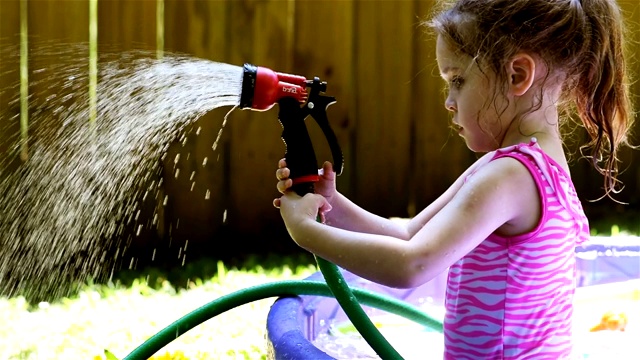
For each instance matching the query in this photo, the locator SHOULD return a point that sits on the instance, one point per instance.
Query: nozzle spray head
(262, 88)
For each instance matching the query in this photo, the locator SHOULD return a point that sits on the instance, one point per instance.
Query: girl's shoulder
(552, 180)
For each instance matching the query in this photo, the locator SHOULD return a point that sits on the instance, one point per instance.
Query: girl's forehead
(450, 60)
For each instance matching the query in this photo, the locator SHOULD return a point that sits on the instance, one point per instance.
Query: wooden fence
(378, 62)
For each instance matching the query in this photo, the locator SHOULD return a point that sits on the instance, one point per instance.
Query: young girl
(507, 228)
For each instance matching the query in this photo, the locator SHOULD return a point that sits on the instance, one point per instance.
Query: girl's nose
(449, 104)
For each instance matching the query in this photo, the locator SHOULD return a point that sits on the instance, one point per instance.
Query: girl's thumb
(327, 170)
(323, 206)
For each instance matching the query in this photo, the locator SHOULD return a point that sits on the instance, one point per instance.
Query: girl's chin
(475, 147)
(478, 148)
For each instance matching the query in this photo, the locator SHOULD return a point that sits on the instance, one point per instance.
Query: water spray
(297, 98)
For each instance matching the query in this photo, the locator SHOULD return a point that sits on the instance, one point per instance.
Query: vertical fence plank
(257, 35)
(324, 47)
(630, 159)
(50, 40)
(125, 25)
(440, 155)
(58, 53)
(9, 81)
(383, 71)
(129, 27)
(197, 28)
(9, 52)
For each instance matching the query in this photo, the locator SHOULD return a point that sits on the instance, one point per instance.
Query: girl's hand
(295, 210)
(325, 187)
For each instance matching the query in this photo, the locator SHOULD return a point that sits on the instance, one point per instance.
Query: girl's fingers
(283, 185)
(283, 173)
(276, 203)
(282, 163)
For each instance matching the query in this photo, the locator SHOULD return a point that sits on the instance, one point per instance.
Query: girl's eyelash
(457, 82)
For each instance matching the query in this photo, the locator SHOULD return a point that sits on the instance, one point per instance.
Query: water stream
(81, 186)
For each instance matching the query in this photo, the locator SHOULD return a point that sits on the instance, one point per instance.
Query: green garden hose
(354, 311)
(275, 289)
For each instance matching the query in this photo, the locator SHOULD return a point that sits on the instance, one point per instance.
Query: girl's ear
(521, 70)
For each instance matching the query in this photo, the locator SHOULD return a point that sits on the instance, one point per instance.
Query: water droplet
(193, 184)
(155, 218)
(177, 173)
(139, 230)
(153, 256)
(166, 199)
(175, 161)
(207, 195)
(186, 243)
(198, 131)
(204, 162)
(224, 216)
(193, 173)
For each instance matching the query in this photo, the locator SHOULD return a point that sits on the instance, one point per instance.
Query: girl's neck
(542, 123)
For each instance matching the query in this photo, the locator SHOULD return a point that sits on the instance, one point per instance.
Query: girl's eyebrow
(448, 69)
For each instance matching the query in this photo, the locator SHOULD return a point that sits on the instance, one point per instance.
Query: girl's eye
(456, 82)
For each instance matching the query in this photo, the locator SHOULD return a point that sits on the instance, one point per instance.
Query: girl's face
(476, 110)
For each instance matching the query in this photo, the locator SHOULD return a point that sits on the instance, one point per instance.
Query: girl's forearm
(348, 216)
(395, 263)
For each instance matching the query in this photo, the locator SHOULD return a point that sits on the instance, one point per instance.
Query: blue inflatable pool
(313, 327)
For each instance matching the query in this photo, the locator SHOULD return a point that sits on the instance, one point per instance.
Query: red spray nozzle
(262, 87)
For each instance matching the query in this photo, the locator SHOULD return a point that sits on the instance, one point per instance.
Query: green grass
(120, 316)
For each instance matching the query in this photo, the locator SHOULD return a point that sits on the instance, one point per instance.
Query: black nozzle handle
(299, 153)
(318, 110)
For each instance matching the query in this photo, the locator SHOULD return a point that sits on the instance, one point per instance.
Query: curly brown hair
(581, 39)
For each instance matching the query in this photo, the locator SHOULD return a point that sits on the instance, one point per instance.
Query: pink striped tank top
(511, 298)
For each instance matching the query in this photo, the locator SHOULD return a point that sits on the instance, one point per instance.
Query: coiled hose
(348, 298)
